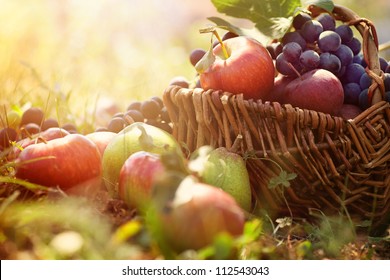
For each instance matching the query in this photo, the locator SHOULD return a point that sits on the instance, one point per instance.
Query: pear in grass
(226, 170)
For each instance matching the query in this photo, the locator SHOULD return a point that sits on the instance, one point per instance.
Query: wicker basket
(341, 165)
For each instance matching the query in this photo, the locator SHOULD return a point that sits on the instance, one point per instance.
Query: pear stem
(224, 51)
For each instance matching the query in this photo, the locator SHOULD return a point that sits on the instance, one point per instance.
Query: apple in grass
(137, 177)
(41, 137)
(101, 139)
(238, 65)
(72, 163)
(191, 214)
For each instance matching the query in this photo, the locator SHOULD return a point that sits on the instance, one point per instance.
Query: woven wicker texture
(341, 165)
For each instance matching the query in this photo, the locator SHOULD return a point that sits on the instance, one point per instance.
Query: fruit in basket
(225, 170)
(72, 163)
(191, 214)
(135, 137)
(349, 111)
(318, 90)
(238, 65)
(277, 93)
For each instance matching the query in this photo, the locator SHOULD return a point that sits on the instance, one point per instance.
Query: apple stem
(295, 70)
(224, 51)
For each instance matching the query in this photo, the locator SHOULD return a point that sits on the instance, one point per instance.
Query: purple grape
(383, 64)
(32, 115)
(351, 93)
(329, 41)
(283, 67)
(275, 49)
(354, 45)
(387, 96)
(387, 81)
(309, 59)
(327, 21)
(358, 59)
(7, 135)
(292, 51)
(330, 62)
(48, 123)
(311, 30)
(353, 73)
(363, 63)
(300, 19)
(345, 54)
(345, 32)
(150, 109)
(365, 81)
(229, 35)
(341, 71)
(135, 115)
(363, 100)
(116, 124)
(294, 36)
(196, 55)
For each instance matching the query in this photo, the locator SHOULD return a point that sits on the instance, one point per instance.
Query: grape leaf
(264, 14)
(221, 23)
(327, 5)
(271, 17)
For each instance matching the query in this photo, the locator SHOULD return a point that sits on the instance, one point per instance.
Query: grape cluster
(321, 43)
(32, 121)
(151, 111)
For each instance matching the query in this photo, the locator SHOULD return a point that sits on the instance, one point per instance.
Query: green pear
(135, 137)
(226, 170)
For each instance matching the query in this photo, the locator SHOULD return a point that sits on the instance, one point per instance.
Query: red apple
(248, 69)
(197, 213)
(41, 137)
(136, 137)
(278, 91)
(137, 177)
(72, 163)
(101, 139)
(318, 90)
(349, 111)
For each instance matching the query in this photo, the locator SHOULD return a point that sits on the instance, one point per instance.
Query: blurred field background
(69, 55)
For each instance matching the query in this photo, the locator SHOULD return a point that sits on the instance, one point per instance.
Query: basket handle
(367, 30)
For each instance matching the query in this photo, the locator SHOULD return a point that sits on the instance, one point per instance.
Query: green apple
(135, 137)
(226, 170)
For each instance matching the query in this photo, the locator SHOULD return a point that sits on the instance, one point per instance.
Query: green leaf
(283, 179)
(266, 15)
(223, 24)
(271, 17)
(252, 230)
(327, 5)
